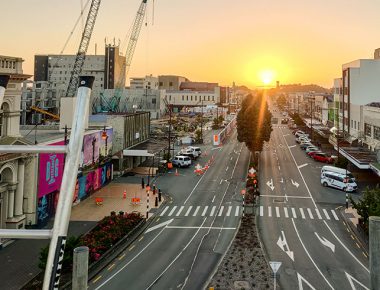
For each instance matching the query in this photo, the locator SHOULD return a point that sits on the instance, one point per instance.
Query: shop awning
(137, 153)
(375, 167)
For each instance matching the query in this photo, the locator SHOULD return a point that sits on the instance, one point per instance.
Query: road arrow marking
(326, 242)
(302, 279)
(292, 146)
(164, 224)
(303, 165)
(351, 281)
(282, 180)
(282, 243)
(270, 184)
(295, 183)
(286, 135)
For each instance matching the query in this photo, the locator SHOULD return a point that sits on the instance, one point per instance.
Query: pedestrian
(142, 183)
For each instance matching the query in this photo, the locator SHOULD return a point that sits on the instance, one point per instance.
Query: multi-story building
(170, 82)
(181, 99)
(147, 82)
(106, 69)
(17, 187)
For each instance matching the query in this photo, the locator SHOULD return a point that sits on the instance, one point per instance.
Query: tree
(369, 205)
(281, 101)
(254, 122)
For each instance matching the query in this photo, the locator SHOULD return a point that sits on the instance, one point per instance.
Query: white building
(193, 98)
(147, 82)
(17, 187)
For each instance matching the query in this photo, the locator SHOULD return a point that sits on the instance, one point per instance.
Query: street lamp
(105, 138)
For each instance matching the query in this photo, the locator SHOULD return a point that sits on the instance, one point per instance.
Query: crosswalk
(301, 213)
(192, 211)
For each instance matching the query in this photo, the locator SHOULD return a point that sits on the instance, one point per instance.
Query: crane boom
(81, 54)
(136, 28)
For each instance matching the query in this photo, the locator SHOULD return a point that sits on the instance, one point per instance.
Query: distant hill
(293, 88)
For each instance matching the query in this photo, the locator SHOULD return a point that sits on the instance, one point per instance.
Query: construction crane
(39, 110)
(81, 54)
(112, 105)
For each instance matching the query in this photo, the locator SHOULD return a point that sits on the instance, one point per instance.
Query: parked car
(312, 153)
(301, 133)
(312, 149)
(190, 152)
(304, 145)
(181, 161)
(323, 157)
(337, 180)
(302, 139)
(196, 151)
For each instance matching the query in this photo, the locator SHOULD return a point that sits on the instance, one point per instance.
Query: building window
(208, 98)
(170, 84)
(183, 98)
(161, 84)
(376, 133)
(213, 98)
(187, 98)
(367, 129)
(154, 101)
(352, 123)
(191, 98)
(196, 98)
(170, 98)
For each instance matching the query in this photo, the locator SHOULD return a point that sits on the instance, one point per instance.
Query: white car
(340, 181)
(181, 161)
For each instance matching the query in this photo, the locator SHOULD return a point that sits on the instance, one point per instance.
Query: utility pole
(170, 124)
(202, 122)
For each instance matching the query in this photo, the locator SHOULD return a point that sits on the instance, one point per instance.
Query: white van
(337, 170)
(340, 181)
(181, 161)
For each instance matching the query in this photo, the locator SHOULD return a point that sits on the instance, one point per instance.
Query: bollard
(346, 200)
(80, 268)
(142, 183)
(156, 202)
(147, 204)
(374, 252)
(159, 195)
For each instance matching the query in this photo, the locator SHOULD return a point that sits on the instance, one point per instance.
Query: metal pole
(346, 200)
(374, 252)
(147, 204)
(274, 282)
(170, 124)
(202, 122)
(80, 268)
(62, 216)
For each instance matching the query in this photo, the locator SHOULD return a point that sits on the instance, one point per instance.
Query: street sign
(275, 266)
(251, 172)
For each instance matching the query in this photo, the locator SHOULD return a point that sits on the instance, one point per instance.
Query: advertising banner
(91, 145)
(50, 171)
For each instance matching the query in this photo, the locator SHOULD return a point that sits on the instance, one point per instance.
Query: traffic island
(244, 266)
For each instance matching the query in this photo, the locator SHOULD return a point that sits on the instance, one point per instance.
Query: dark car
(323, 157)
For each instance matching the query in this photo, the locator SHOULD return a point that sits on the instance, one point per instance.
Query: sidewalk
(351, 219)
(19, 260)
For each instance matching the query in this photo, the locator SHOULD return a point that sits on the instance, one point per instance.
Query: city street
(191, 233)
(300, 224)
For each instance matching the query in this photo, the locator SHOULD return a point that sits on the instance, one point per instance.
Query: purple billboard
(50, 171)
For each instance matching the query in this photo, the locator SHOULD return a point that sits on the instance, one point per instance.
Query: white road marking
(231, 158)
(289, 196)
(334, 214)
(294, 213)
(205, 210)
(286, 212)
(226, 168)
(165, 210)
(221, 181)
(269, 211)
(172, 211)
(344, 246)
(303, 165)
(206, 228)
(158, 226)
(318, 213)
(213, 199)
(189, 210)
(261, 210)
(326, 214)
(237, 210)
(279, 168)
(326, 242)
(180, 210)
(300, 284)
(283, 244)
(229, 211)
(310, 213)
(292, 146)
(277, 211)
(212, 210)
(221, 210)
(350, 278)
(315, 265)
(196, 210)
(302, 213)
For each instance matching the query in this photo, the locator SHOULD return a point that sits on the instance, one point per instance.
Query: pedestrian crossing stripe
(292, 213)
(206, 210)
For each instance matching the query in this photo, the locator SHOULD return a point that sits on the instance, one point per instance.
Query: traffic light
(255, 183)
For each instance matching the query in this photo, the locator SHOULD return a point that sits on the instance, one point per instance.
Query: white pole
(62, 216)
(274, 281)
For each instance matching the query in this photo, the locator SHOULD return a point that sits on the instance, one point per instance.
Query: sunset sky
(246, 41)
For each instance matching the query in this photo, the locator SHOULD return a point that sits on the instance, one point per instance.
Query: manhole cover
(242, 285)
(279, 200)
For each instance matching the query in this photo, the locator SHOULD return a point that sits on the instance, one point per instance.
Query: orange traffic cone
(176, 172)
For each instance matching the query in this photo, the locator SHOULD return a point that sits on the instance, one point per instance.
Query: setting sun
(267, 77)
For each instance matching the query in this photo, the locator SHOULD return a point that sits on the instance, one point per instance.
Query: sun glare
(267, 77)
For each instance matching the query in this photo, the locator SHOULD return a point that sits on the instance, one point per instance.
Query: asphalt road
(189, 235)
(299, 221)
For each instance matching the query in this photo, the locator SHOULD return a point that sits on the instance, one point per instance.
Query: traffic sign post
(275, 266)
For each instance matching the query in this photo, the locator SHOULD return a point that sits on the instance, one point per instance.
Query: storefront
(95, 171)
